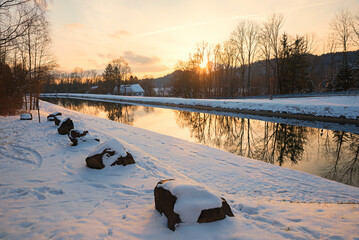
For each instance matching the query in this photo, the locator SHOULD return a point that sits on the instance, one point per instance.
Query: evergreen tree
(344, 78)
(293, 65)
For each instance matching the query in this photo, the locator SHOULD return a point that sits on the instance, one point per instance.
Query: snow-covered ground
(47, 192)
(332, 106)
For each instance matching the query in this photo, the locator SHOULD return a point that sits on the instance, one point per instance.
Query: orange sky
(153, 35)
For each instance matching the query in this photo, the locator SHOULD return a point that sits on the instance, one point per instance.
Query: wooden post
(38, 109)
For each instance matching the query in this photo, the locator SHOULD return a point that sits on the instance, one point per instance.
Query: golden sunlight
(203, 64)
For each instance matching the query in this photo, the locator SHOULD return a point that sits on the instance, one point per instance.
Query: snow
(47, 192)
(333, 106)
(191, 199)
(112, 145)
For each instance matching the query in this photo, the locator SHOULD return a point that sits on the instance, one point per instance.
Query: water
(332, 154)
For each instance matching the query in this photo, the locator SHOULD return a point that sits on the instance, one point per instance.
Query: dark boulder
(51, 117)
(165, 203)
(215, 214)
(109, 153)
(65, 126)
(58, 120)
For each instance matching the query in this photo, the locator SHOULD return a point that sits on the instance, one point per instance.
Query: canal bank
(331, 109)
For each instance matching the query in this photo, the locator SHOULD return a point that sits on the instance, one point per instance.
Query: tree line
(261, 59)
(116, 73)
(25, 56)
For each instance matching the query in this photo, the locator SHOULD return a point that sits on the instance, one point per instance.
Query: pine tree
(344, 78)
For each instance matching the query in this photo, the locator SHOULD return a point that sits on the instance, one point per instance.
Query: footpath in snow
(47, 192)
(332, 108)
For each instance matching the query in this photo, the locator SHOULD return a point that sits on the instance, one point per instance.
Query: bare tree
(273, 25)
(265, 52)
(355, 27)
(238, 41)
(15, 23)
(251, 43)
(342, 24)
(330, 46)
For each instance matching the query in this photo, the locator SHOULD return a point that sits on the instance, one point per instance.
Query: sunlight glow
(203, 64)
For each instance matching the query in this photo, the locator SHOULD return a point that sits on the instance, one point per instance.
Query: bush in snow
(77, 136)
(51, 117)
(182, 202)
(109, 153)
(26, 116)
(65, 126)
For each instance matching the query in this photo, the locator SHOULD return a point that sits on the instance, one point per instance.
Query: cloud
(231, 18)
(71, 26)
(106, 56)
(120, 34)
(154, 68)
(139, 59)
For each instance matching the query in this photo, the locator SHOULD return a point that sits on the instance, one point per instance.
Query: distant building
(93, 89)
(130, 90)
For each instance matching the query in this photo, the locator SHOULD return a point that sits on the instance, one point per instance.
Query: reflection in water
(278, 143)
(344, 165)
(326, 153)
(270, 142)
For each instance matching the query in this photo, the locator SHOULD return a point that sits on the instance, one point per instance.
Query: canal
(327, 150)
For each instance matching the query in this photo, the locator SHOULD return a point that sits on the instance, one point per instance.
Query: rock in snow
(65, 126)
(26, 116)
(109, 153)
(182, 202)
(51, 117)
(77, 136)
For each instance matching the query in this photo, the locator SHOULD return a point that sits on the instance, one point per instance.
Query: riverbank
(334, 109)
(46, 191)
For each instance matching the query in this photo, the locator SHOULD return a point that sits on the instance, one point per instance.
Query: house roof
(134, 88)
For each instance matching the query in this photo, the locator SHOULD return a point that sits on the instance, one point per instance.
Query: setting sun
(203, 64)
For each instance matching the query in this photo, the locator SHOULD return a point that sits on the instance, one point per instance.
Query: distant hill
(165, 81)
(319, 66)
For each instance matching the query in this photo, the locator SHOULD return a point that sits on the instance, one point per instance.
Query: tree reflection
(120, 112)
(277, 144)
(344, 164)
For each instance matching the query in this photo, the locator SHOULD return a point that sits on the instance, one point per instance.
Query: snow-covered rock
(77, 136)
(109, 153)
(186, 203)
(65, 126)
(26, 116)
(51, 117)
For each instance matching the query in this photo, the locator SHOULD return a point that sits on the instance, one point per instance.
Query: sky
(153, 35)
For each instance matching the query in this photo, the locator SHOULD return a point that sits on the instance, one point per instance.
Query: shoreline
(181, 104)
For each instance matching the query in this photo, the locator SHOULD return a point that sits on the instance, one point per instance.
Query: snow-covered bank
(345, 107)
(46, 191)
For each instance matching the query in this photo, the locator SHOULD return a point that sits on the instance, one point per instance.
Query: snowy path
(46, 191)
